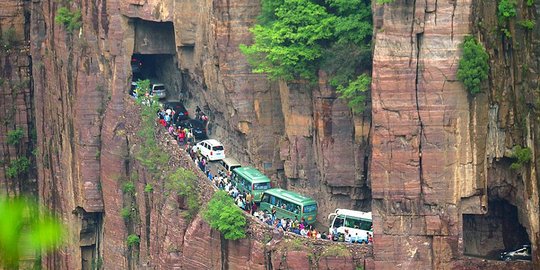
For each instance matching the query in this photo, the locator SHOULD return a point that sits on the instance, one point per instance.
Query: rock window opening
(497, 231)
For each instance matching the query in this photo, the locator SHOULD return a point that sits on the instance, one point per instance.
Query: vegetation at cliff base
(70, 19)
(295, 39)
(473, 67)
(223, 215)
(522, 156)
(25, 230)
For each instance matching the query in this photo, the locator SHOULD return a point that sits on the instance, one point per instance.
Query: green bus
(289, 204)
(250, 180)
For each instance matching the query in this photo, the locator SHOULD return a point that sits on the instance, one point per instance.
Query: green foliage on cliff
(473, 67)
(70, 19)
(17, 167)
(523, 155)
(150, 154)
(223, 215)
(382, 2)
(507, 9)
(353, 92)
(527, 24)
(24, 230)
(15, 136)
(125, 213)
(128, 188)
(133, 240)
(295, 39)
(184, 183)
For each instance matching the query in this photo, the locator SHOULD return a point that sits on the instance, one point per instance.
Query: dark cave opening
(497, 231)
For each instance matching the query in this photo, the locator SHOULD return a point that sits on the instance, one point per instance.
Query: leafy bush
(148, 188)
(184, 183)
(473, 67)
(523, 155)
(507, 9)
(14, 137)
(133, 240)
(381, 2)
(126, 213)
(297, 38)
(128, 188)
(70, 20)
(223, 215)
(354, 92)
(527, 24)
(17, 167)
(530, 3)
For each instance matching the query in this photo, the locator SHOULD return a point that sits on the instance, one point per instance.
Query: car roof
(212, 142)
(158, 84)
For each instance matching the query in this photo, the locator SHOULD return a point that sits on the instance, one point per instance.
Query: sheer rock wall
(437, 150)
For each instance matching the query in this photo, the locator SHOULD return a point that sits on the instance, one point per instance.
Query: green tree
(297, 38)
(522, 156)
(222, 214)
(25, 229)
(473, 66)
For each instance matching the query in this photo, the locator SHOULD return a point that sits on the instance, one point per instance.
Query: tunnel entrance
(489, 235)
(154, 56)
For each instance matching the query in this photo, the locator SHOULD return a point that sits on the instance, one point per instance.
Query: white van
(354, 222)
(229, 164)
(159, 90)
(211, 149)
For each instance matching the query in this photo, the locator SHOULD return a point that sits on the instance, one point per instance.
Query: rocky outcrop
(435, 147)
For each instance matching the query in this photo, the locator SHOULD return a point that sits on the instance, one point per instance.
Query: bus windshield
(310, 208)
(261, 186)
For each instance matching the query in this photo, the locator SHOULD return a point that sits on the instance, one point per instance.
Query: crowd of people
(168, 119)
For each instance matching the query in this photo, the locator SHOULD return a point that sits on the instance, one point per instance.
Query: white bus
(358, 224)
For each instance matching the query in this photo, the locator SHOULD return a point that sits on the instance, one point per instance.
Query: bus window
(294, 208)
(272, 200)
(310, 208)
(265, 198)
(338, 222)
(365, 225)
(261, 186)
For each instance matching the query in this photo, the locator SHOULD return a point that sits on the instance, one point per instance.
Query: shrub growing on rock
(133, 240)
(473, 67)
(70, 19)
(222, 214)
(523, 155)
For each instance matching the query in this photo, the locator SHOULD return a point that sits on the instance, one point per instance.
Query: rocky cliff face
(440, 167)
(17, 169)
(438, 158)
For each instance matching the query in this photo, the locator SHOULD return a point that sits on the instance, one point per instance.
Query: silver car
(158, 89)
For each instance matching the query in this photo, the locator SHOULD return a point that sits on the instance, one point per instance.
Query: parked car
(523, 253)
(197, 127)
(158, 89)
(180, 111)
(211, 149)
